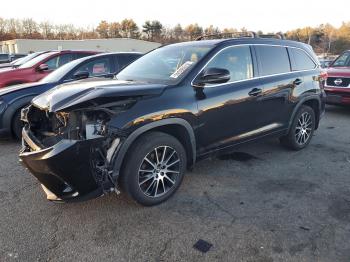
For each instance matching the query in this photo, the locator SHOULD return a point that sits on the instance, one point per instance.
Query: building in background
(24, 46)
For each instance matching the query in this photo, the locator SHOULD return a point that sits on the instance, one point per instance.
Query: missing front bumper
(65, 170)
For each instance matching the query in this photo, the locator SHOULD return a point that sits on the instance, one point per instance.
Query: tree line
(324, 38)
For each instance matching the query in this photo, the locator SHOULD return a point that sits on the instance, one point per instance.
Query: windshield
(61, 72)
(35, 60)
(167, 65)
(342, 60)
(23, 60)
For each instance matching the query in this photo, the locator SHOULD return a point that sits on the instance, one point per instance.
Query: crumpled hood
(83, 93)
(338, 71)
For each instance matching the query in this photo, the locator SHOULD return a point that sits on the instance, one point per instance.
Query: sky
(265, 15)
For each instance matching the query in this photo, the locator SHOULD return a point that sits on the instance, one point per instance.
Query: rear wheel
(301, 130)
(154, 168)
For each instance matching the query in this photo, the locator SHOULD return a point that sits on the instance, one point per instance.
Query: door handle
(297, 81)
(255, 92)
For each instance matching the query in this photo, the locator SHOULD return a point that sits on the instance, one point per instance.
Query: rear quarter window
(273, 60)
(301, 60)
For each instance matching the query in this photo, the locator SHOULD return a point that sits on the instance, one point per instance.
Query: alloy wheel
(303, 128)
(159, 171)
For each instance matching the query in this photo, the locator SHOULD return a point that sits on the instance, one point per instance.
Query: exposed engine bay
(49, 128)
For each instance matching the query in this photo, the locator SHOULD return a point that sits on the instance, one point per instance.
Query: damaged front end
(71, 153)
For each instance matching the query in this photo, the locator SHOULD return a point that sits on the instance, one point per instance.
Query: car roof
(248, 40)
(83, 59)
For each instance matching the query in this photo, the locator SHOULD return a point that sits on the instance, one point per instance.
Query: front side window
(97, 67)
(273, 60)
(302, 60)
(61, 72)
(237, 60)
(167, 65)
(342, 60)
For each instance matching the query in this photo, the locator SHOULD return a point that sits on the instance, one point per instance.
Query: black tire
(17, 125)
(135, 182)
(293, 139)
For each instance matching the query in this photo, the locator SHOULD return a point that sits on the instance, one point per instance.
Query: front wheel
(17, 125)
(301, 130)
(154, 168)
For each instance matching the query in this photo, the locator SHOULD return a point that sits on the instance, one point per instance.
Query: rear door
(279, 85)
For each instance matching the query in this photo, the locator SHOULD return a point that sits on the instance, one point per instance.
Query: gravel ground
(265, 204)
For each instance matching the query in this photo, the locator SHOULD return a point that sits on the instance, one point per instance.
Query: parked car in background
(325, 62)
(4, 58)
(14, 57)
(14, 98)
(337, 85)
(39, 67)
(20, 61)
(140, 132)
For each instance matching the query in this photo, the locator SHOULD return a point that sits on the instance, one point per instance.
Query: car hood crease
(82, 93)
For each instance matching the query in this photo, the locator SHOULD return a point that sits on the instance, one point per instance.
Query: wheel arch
(312, 101)
(13, 107)
(177, 127)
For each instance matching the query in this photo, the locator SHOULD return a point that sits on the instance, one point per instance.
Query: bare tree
(46, 29)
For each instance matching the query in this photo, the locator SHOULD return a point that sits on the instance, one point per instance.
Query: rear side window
(301, 60)
(237, 60)
(273, 60)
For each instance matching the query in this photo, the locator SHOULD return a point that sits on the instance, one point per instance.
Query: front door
(231, 111)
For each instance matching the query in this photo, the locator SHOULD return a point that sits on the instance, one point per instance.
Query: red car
(337, 85)
(39, 67)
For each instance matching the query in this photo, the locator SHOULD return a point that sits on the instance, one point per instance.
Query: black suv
(172, 107)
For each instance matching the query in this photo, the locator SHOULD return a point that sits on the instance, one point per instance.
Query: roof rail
(249, 34)
(277, 35)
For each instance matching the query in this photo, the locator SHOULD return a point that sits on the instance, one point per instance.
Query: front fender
(13, 107)
(120, 153)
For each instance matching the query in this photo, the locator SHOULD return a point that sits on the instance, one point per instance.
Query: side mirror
(43, 67)
(81, 75)
(213, 75)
